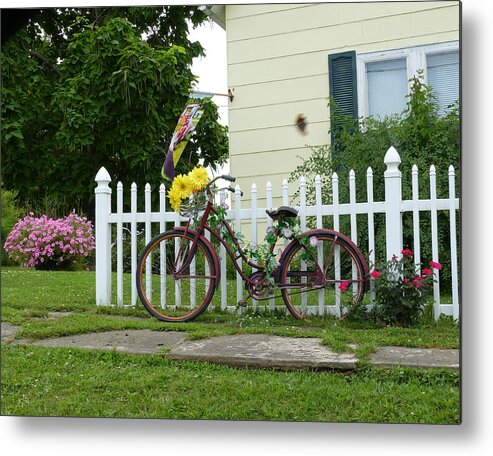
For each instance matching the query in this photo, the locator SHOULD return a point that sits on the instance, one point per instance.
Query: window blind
(443, 78)
(387, 87)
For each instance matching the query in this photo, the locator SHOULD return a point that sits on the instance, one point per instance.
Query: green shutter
(343, 84)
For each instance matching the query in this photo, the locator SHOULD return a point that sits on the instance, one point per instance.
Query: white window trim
(415, 59)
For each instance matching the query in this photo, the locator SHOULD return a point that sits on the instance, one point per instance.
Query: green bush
(11, 213)
(401, 292)
(421, 136)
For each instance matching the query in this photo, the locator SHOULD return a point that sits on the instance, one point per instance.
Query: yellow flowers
(199, 178)
(185, 185)
(182, 185)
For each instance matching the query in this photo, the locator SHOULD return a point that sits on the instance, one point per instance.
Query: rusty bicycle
(179, 270)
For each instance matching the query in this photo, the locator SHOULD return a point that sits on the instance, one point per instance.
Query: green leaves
(420, 135)
(401, 293)
(13, 131)
(115, 105)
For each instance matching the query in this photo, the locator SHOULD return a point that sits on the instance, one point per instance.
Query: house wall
(278, 68)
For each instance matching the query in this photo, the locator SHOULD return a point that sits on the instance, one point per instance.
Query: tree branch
(158, 39)
(101, 15)
(41, 58)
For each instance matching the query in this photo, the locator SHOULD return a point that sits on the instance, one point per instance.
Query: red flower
(375, 274)
(417, 281)
(407, 252)
(426, 272)
(343, 286)
(436, 265)
(407, 281)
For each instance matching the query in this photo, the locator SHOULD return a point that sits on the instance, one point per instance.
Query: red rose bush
(401, 291)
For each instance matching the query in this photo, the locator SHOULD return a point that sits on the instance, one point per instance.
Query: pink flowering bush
(46, 243)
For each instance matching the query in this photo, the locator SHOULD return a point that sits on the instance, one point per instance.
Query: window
(443, 77)
(380, 82)
(387, 87)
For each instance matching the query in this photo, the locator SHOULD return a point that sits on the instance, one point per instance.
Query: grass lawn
(69, 382)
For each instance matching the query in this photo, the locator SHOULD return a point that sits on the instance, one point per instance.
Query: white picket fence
(393, 207)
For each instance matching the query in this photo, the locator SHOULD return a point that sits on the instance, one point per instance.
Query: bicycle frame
(198, 234)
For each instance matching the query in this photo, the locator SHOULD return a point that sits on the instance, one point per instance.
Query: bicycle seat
(282, 213)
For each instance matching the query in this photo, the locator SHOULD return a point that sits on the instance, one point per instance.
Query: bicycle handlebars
(232, 190)
(225, 177)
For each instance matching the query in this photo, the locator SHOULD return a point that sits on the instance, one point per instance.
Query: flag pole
(200, 94)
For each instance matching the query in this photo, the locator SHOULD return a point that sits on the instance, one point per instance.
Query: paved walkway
(245, 350)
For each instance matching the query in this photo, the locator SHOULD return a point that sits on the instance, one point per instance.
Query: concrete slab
(141, 341)
(244, 350)
(8, 331)
(416, 357)
(55, 315)
(264, 351)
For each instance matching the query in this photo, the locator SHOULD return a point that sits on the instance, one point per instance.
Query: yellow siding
(268, 160)
(275, 115)
(276, 20)
(278, 68)
(241, 11)
(273, 139)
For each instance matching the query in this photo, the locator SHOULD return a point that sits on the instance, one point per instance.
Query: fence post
(434, 238)
(133, 242)
(222, 258)
(103, 238)
(371, 229)
(393, 200)
(119, 244)
(253, 192)
(239, 280)
(148, 237)
(453, 243)
(416, 227)
(337, 253)
(320, 252)
(162, 246)
(268, 197)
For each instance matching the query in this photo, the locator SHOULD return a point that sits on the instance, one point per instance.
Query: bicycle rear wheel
(167, 292)
(330, 274)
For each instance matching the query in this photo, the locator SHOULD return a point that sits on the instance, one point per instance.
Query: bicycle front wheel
(168, 291)
(322, 278)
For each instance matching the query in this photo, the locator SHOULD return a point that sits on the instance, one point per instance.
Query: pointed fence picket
(335, 210)
(393, 207)
(371, 226)
(268, 193)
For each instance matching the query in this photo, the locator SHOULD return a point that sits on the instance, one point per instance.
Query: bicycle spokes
(320, 282)
(178, 278)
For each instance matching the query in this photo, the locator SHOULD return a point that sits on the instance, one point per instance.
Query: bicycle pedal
(242, 303)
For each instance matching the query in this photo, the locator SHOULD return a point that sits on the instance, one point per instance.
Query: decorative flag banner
(187, 122)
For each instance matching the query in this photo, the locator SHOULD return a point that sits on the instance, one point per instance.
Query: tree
(85, 88)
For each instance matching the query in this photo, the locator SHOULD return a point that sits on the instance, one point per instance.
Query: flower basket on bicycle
(192, 206)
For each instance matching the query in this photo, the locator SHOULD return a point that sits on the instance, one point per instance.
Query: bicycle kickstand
(243, 302)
